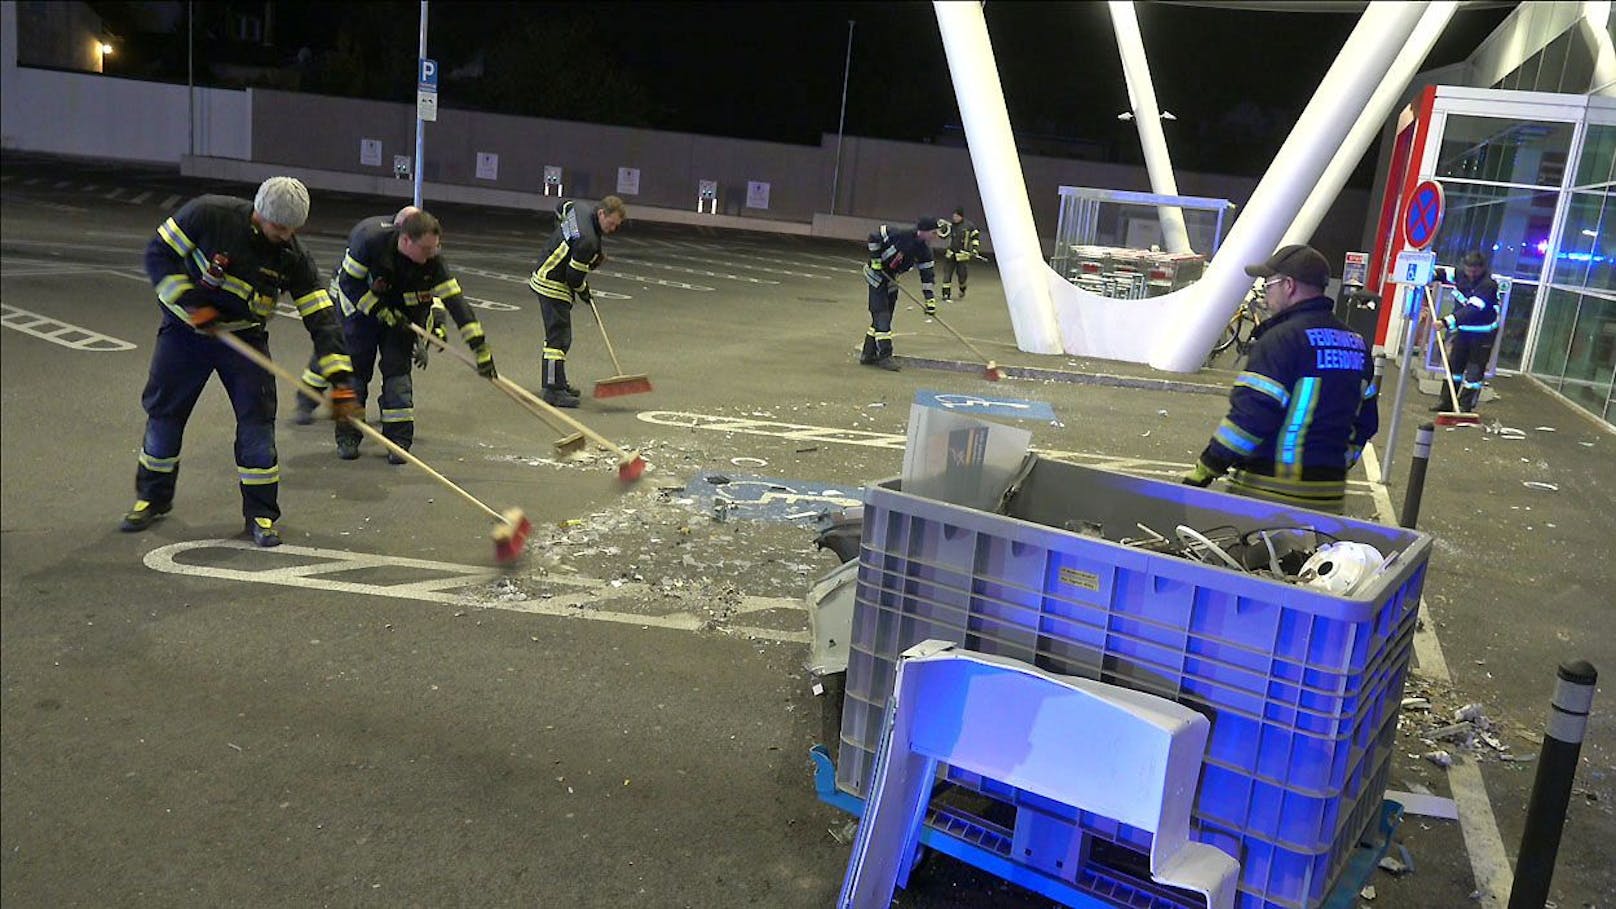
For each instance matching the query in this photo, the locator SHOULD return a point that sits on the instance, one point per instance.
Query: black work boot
(263, 532)
(143, 515)
(559, 397)
(888, 364)
(304, 415)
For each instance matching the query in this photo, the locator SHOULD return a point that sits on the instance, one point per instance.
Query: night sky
(1236, 79)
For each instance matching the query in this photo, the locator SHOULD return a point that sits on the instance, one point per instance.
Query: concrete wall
(670, 164)
(97, 116)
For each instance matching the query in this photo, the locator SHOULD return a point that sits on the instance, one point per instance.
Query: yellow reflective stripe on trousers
(159, 465)
(553, 353)
(398, 414)
(471, 331)
(1324, 495)
(259, 476)
(331, 364)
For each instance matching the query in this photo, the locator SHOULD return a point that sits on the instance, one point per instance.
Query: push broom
(1448, 417)
(566, 445)
(510, 535)
(619, 384)
(629, 465)
(990, 371)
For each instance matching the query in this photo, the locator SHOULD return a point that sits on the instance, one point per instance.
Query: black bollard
(1551, 790)
(1416, 475)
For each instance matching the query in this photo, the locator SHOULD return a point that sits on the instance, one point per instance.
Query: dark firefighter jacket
(217, 233)
(572, 252)
(375, 276)
(1301, 412)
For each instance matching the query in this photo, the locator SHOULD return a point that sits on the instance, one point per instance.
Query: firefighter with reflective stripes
(220, 264)
(571, 254)
(390, 277)
(893, 251)
(1301, 413)
(1471, 329)
(964, 244)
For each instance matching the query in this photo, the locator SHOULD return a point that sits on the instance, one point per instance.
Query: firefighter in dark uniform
(964, 244)
(893, 251)
(389, 278)
(1472, 329)
(219, 264)
(1301, 413)
(572, 252)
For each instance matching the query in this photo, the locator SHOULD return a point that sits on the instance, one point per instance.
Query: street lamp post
(847, 69)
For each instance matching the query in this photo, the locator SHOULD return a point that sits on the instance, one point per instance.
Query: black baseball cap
(1303, 263)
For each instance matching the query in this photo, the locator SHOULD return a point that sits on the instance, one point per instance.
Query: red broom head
(510, 537)
(992, 373)
(628, 471)
(632, 385)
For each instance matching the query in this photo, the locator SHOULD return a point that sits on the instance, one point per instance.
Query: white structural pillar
(998, 175)
(1147, 116)
(1339, 101)
(1369, 124)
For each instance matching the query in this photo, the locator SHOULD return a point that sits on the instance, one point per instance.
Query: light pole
(420, 125)
(190, 75)
(847, 70)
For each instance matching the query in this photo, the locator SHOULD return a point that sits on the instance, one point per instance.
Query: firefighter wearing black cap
(1472, 329)
(964, 244)
(893, 251)
(571, 254)
(1302, 411)
(219, 264)
(389, 277)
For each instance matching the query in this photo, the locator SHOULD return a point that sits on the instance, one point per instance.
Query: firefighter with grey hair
(220, 264)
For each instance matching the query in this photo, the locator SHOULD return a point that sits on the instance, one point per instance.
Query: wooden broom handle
(534, 403)
(604, 336)
(248, 351)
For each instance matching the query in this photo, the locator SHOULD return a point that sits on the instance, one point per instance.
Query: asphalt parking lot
(372, 715)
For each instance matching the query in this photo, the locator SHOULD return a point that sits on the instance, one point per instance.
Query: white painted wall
(96, 116)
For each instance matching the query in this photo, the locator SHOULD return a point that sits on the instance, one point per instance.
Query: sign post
(426, 104)
(1413, 272)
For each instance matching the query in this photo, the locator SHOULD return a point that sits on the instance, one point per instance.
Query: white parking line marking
(763, 268)
(63, 184)
(518, 279)
(57, 332)
(693, 271)
(1477, 821)
(113, 194)
(573, 597)
(141, 198)
(171, 201)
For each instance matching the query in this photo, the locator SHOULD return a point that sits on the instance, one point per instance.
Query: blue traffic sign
(428, 78)
(1424, 215)
(993, 407)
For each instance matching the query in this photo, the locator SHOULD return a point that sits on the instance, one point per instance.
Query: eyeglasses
(1274, 280)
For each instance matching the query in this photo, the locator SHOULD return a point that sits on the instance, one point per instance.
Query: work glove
(203, 318)
(1448, 324)
(344, 403)
(929, 306)
(485, 361)
(1442, 277)
(390, 317)
(434, 327)
(380, 286)
(1200, 475)
(587, 297)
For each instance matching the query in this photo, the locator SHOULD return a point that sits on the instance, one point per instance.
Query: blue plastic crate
(1302, 688)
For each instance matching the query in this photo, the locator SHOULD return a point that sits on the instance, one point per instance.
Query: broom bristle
(510, 537)
(630, 470)
(622, 385)
(992, 373)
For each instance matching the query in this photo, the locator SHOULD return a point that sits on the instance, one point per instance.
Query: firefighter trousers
(557, 339)
(368, 341)
(182, 362)
(878, 338)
